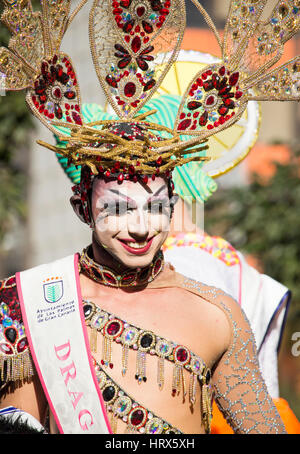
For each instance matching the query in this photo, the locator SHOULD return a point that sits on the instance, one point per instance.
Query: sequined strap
(121, 405)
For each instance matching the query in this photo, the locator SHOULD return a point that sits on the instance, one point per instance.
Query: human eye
(158, 206)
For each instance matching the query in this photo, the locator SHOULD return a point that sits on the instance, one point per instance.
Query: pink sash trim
(32, 351)
(87, 343)
(84, 369)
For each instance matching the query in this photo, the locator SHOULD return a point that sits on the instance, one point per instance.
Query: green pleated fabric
(191, 183)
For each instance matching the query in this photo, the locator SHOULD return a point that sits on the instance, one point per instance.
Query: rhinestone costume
(236, 381)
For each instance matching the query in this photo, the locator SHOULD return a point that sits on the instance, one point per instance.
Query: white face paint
(132, 220)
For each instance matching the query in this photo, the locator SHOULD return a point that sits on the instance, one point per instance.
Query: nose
(138, 226)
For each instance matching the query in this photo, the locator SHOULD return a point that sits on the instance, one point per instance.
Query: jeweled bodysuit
(153, 356)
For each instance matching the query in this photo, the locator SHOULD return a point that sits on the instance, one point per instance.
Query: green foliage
(263, 219)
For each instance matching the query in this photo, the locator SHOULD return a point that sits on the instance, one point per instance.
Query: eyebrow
(115, 191)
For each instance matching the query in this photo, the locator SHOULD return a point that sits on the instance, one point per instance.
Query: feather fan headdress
(133, 45)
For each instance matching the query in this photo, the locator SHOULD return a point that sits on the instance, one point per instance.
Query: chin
(137, 261)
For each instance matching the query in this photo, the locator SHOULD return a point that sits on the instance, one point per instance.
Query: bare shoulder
(220, 307)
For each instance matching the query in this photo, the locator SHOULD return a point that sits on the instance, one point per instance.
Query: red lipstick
(135, 251)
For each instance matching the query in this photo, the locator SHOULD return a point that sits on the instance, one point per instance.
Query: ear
(174, 199)
(76, 204)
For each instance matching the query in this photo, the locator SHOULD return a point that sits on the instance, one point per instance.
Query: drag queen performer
(113, 339)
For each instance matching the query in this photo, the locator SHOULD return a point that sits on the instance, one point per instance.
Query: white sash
(51, 305)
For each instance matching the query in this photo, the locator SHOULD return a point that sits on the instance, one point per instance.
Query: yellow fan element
(226, 148)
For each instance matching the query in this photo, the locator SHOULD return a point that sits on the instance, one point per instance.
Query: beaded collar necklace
(129, 278)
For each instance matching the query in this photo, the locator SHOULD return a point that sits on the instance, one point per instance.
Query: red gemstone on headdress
(203, 119)
(58, 112)
(192, 105)
(129, 89)
(159, 161)
(140, 11)
(145, 179)
(210, 100)
(142, 64)
(184, 124)
(128, 26)
(150, 84)
(208, 85)
(223, 110)
(238, 94)
(124, 62)
(125, 3)
(234, 78)
(121, 177)
(57, 92)
(222, 71)
(136, 44)
(229, 103)
(70, 94)
(147, 27)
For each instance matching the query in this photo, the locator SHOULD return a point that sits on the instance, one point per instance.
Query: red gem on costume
(222, 71)
(238, 94)
(58, 112)
(150, 84)
(125, 3)
(229, 103)
(129, 89)
(159, 161)
(145, 179)
(136, 44)
(142, 64)
(192, 105)
(120, 177)
(156, 5)
(208, 85)
(223, 110)
(124, 62)
(70, 94)
(147, 27)
(111, 81)
(210, 100)
(128, 26)
(184, 124)
(22, 345)
(234, 78)
(203, 119)
(137, 417)
(140, 11)
(113, 328)
(181, 355)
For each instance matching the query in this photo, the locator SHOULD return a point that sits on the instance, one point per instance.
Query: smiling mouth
(136, 247)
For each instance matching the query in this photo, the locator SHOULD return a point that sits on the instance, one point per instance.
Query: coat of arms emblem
(53, 291)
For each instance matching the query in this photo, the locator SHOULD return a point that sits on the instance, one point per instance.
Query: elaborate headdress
(133, 44)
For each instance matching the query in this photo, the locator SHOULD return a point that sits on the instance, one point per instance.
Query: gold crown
(133, 45)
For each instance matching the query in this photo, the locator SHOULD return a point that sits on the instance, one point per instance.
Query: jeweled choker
(129, 278)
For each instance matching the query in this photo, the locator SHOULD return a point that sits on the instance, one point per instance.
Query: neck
(103, 257)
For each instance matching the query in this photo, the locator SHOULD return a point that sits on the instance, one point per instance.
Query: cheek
(159, 221)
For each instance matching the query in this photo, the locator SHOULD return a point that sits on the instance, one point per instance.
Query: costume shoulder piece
(238, 387)
(15, 359)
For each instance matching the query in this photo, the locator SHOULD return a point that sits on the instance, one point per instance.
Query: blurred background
(256, 206)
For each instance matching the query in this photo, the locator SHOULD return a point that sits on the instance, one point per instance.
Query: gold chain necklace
(129, 278)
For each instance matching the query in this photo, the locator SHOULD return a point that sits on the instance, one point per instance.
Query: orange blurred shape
(262, 159)
(203, 40)
(291, 423)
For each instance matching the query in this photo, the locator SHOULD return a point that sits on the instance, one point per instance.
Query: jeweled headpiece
(133, 45)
